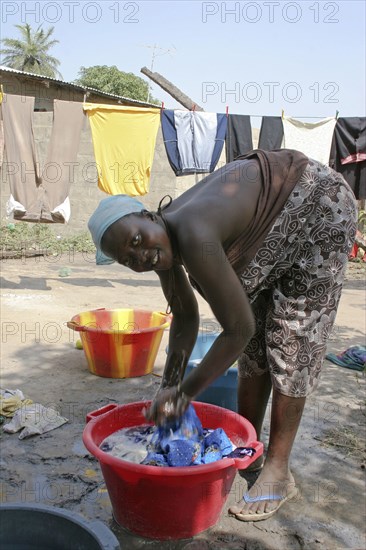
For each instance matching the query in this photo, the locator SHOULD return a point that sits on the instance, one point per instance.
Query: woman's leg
(276, 478)
(253, 395)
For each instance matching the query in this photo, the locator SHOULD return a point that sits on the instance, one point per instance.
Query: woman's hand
(168, 405)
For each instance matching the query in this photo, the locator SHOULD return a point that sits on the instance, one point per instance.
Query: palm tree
(30, 54)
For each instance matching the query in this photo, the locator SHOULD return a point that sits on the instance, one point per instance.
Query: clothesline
(86, 95)
(294, 116)
(254, 116)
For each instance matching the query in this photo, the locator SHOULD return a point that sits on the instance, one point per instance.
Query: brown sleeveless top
(281, 169)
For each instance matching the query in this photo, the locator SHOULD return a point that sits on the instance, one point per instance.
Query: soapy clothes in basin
(182, 443)
(130, 444)
(134, 445)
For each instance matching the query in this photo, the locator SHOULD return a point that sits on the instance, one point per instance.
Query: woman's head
(129, 235)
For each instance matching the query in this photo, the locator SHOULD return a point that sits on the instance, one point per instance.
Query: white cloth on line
(314, 139)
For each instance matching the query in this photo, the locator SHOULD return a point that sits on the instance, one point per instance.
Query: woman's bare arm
(185, 323)
(229, 303)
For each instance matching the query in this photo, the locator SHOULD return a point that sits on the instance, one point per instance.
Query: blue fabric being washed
(185, 443)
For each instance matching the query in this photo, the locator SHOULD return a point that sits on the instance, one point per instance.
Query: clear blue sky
(257, 57)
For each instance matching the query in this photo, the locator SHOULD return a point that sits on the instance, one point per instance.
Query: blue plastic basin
(223, 391)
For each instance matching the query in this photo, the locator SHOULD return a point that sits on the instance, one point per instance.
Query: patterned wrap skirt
(294, 281)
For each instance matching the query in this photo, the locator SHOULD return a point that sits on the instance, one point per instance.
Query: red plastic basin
(168, 503)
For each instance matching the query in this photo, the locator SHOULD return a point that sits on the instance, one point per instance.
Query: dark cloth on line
(271, 133)
(238, 136)
(171, 140)
(348, 153)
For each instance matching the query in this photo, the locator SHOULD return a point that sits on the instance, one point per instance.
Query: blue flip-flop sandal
(264, 515)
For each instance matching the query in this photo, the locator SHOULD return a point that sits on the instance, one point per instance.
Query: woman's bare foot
(273, 480)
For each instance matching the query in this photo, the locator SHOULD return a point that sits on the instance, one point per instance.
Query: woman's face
(138, 243)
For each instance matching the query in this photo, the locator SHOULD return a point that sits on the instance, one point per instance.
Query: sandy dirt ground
(38, 356)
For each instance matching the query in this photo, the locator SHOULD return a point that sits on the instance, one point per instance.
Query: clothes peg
(162, 105)
(337, 113)
(227, 110)
(283, 114)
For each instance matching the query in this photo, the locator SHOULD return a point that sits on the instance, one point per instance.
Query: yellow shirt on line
(124, 144)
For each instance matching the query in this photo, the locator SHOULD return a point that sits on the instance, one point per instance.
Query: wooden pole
(167, 86)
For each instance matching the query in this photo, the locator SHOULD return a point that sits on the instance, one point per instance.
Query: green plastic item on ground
(64, 272)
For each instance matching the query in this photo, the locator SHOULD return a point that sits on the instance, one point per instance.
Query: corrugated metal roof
(9, 69)
(76, 86)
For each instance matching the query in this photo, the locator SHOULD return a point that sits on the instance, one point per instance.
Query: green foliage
(18, 239)
(113, 81)
(30, 53)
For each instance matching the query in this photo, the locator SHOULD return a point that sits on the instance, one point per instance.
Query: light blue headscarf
(109, 211)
